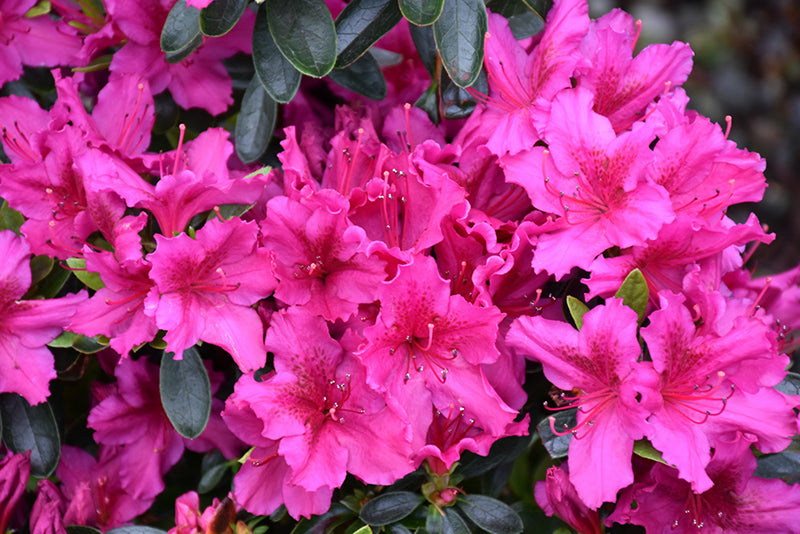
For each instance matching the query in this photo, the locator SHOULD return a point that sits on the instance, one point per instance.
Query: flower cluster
(379, 301)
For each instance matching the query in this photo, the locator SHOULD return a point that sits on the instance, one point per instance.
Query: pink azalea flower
(190, 520)
(47, 513)
(26, 364)
(737, 502)
(36, 42)
(598, 366)
(557, 496)
(317, 405)
(130, 417)
(624, 85)
(205, 288)
(319, 258)
(95, 494)
(199, 80)
(424, 336)
(594, 180)
(524, 82)
(709, 388)
(14, 472)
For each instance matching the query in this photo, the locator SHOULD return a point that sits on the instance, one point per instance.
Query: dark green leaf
(785, 465)
(50, 285)
(363, 530)
(577, 310)
(89, 279)
(360, 24)
(790, 385)
(459, 34)
(320, 524)
(557, 446)
(255, 122)
(490, 514)
(304, 32)
(397, 529)
(80, 529)
(87, 345)
(523, 20)
(31, 428)
(635, 293)
(135, 530)
(221, 16)
(429, 103)
(185, 392)
(503, 450)
(363, 77)
(454, 523)
(434, 522)
(426, 46)
(214, 467)
(421, 12)
(181, 32)
(10, 219)
(457, 103)
(542, 7)
(390, 507)
(278, 76)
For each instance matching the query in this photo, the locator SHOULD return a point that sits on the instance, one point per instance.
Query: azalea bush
(431, 266)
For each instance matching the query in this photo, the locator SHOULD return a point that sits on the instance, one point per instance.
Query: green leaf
(459, 34)
(397, 529)
(426, 46)
(635, 293)
(421, 12)
(49, 286)
(214, 467)
(89, 279)
(790, 385)
(363, 530)
(31, 428)
(10, 219)
(503, 451)
(80, 529)
(390, 507)
(557, 446)
(304, 32)
(645, 449)
(181, 32)
(434, 521)
(523, 20)
(277, 75)
(542, 7)
(221, 16)
(336, 515)
(185, 392)
(360, 24)
(577, 310)
(429, 103)
(785, 465)
(490, 514)
(364, 77)
(456, 101)
(454, 523)
(255, 122)
(41, 8)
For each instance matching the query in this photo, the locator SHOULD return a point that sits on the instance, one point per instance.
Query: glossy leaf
(523, 20)
(635, 293)
(181, 32)
(790, 385)
(363, 77)
(426, 46)
(89, 279)
(456, 102)
(133, 529)
(434, 521)
(645, 449)
(80, 529)
(504, 450)
(421, 12)
(785, 465)
(364, 530)
(255, 122)
(360, 24)
(31, 428)
(336, 515)
(304, 32)
(221, 16)
(185, 392)
(429, 103)
(557, 446)
(454, 523)
(490, 514)
(542, 7)
(213, 468)
(459, 34)
(10, 219)
(277, 75)
(390, 507)
(577, 310)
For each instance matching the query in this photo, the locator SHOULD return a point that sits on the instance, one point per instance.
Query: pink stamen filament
(23, 150)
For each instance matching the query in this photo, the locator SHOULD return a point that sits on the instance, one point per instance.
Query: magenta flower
(47, 513)
(737, 502)
(425, 336)
(14, 471)
(205, 288)
(523, 83)
(557, 496)
(319, 259)
(26, 326)
(709, 388)
(594, 181)
(318, 406)
(598, 366)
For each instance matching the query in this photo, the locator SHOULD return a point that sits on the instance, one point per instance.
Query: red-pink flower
(205, 289)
